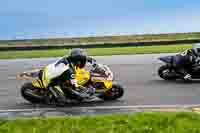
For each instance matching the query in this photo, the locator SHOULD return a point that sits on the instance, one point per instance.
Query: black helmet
(78, 57)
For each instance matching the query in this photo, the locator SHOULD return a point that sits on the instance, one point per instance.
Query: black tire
(116, 92)
(161, 74)
(28, 96)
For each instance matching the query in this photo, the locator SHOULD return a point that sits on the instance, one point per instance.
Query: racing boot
(187, 77)
(84, 93)
(184, 75)
(88, 92)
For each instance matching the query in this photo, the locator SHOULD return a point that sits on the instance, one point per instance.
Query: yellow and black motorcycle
(100, 77)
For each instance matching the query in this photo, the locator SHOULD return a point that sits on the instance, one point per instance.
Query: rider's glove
(91, 60)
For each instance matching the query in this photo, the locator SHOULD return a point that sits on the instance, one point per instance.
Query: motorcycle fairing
(83, 76)
(166, 59)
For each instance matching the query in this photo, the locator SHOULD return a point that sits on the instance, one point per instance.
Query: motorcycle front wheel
(116, 92)
(165, 73)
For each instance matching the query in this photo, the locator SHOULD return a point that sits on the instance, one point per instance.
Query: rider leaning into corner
(65, 68)
(186, 59)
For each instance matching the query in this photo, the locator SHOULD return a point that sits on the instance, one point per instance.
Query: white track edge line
(104, 107)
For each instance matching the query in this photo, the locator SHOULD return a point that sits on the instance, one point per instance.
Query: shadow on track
(175, 82)
(27, 105)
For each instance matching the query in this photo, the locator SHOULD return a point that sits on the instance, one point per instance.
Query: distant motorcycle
(100, 77)
(167, 71)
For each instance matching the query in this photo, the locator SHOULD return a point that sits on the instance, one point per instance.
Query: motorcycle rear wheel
(27, 92)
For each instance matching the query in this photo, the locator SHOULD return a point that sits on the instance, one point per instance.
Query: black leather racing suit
(184, 60)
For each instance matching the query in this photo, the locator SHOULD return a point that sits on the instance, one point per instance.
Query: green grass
(104, 39)
(96, 51)
(149, 122)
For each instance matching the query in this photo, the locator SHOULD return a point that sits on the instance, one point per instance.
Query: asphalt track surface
(137, 73)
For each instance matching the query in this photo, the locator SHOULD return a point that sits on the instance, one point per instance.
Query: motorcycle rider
(64, 69)
(186, 59)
